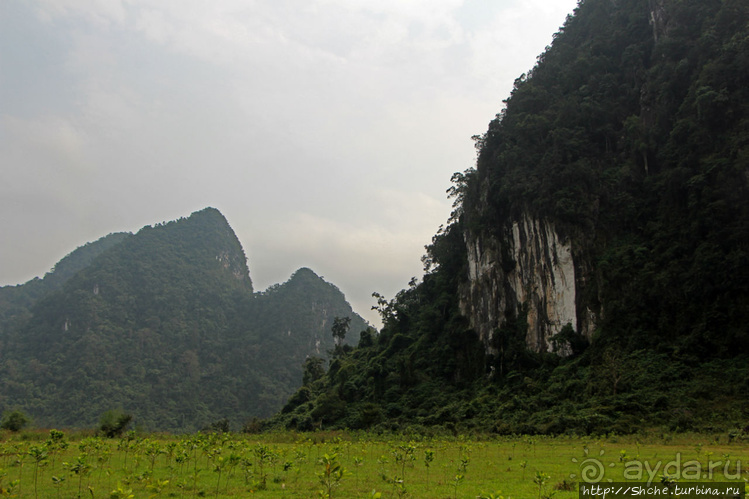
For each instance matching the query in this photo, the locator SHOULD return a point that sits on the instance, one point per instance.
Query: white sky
(326, 131)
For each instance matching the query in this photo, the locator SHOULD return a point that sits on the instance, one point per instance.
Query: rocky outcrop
(658, 18)
(530, 266)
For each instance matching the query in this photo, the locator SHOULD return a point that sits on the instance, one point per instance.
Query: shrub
(221, 426)
(14, 421)
(254, 425)
(114, 422)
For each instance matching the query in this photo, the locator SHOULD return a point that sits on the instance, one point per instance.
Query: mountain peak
(164, 324)
(202, 237)
(210, 212)
(305, 273)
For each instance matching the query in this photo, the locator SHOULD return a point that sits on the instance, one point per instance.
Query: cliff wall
(530, 265)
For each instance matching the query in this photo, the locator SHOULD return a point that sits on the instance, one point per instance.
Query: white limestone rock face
(530, 266)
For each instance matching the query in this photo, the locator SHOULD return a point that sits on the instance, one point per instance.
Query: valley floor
(350, 465)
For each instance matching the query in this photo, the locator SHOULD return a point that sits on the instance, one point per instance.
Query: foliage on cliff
(164, 324)
(631, 134)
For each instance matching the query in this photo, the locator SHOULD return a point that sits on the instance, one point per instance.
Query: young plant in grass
(331, 474)
(540, 480)
(9, 488)
(56, 443)
(39, 456)
(457, 481)
(156, 487)
(152, 451)
(407, 455)
(121, 493)
(57, 483)
(460, 476)
(358, 462)
(428, 459)
(218, 467)
(20, 454)
(80, 468)
(264, 457)
(126, 444)
(232, 461)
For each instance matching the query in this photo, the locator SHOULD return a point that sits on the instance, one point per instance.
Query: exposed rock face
(530, 266)
(658, 18)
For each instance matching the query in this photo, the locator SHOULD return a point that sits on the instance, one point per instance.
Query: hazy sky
(326, 131)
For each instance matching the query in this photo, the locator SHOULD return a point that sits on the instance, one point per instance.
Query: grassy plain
(351, 465)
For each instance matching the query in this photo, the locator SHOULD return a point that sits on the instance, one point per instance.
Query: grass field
(51, 464)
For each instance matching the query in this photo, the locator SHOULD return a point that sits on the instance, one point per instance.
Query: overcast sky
(326, 131)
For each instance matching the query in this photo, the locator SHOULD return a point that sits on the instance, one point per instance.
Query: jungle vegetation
(631, 134)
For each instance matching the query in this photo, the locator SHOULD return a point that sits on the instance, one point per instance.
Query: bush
(221, 426)
(14, 421)
(114, 422)
(254, 425)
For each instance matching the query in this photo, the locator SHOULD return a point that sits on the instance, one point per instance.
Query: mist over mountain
(163, 324)
(594, 275)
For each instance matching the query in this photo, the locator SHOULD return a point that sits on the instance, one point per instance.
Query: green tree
(114, 422)
(313, 370)
(14, 421)
(340, 328)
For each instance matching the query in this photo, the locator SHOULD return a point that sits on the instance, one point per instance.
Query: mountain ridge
(165, 324)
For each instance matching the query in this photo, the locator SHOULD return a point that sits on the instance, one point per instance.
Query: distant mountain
(302, 310)
(165, 325)
(16, 300)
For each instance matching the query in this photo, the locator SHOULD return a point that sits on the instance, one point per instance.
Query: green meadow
(52, 464)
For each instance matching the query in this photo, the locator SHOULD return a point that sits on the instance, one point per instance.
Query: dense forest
(625, 150)
(163, 325)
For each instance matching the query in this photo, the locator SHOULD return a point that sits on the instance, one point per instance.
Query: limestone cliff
(530, 266)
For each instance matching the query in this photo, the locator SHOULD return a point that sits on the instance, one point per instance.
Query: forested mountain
(163, 324)
(594, 275)
(16, 300)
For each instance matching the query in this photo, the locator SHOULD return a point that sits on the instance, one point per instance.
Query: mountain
(165, 325)
(593, 276)
(16, 300)
(616, 182)
(315, 304)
